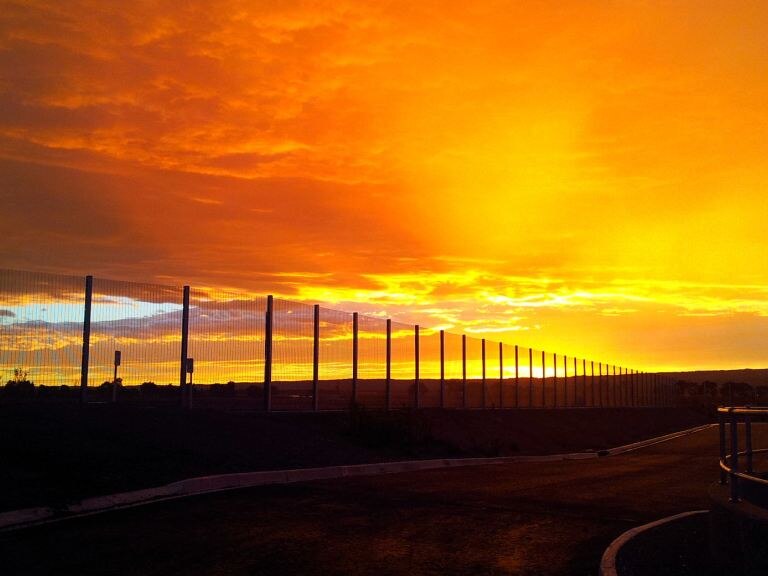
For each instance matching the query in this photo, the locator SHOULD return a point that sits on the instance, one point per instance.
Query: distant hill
(751, 376)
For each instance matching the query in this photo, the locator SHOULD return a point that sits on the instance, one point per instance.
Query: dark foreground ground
(53, 454)
(552, 518)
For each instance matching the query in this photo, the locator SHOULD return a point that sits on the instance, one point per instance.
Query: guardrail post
(389, 363)
(269, 317)
(733, 479)
(464, 370)
(721, 432)
(355, 355)
(482, 344)
(315, 357)
(86, 355)
(748, 441)
(442, 368)
(416, 374)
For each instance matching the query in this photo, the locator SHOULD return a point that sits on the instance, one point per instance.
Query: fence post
(517, 378)
(721, 431)
(600, 384)
(482, 343)
(184, 387)
(584, 378)
(501, 375)
(416, 366)
(86, 355)
(389, 363)
(355, 355)
(442, 368)
(464, 369)
(268, 354)
(592, 382)
(315, 357)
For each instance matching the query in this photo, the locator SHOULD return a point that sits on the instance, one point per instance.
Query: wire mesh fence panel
(372, 362)
(547, 393)
(429, 368)
(492, 376)
(335, 360)
(525, 392)
(41, 330)
(292, 355)
(403, 369)
(510, 384)
(226, 341)
(454, 383)
(143, 323)
(474, 373)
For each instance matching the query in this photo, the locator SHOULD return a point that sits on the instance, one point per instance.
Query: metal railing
(744, 483)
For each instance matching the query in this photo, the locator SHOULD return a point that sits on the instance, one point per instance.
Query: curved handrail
(729, 461)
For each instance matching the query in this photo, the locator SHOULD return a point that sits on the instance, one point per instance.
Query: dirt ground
(552, 518)
(54, 454)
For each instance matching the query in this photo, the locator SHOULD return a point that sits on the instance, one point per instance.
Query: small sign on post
(117, 358)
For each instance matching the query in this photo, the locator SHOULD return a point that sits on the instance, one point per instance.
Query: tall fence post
(355, 355)
(416, 374)
(315, 357)
(613, 387)
(183, 386)
(543, 379)
(389, 363)
(442, 368)
(584, 379)
(600, 384)
(517, 378)
(464, 370)
(86, 355)
(501, 375)
(482, 343)
(268, 319)
(592, 383)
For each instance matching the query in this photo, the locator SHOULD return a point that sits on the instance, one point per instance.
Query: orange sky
(587, 177)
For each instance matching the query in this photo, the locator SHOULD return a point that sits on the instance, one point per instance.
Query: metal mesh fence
(226, 340)
(403, 366)
(372, 363)
(292, 352)
(143, 323)
(454, 372)
(41, 328)
(429, 368)
(313, 352)
(335, 359)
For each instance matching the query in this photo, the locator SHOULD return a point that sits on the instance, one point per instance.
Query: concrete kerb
(17, 519)
(608, 561)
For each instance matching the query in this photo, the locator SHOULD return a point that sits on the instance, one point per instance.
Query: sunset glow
(581, 177)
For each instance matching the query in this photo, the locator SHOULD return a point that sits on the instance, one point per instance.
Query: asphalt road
(553, 518)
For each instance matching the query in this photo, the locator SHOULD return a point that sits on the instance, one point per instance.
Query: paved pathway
(551, 518)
